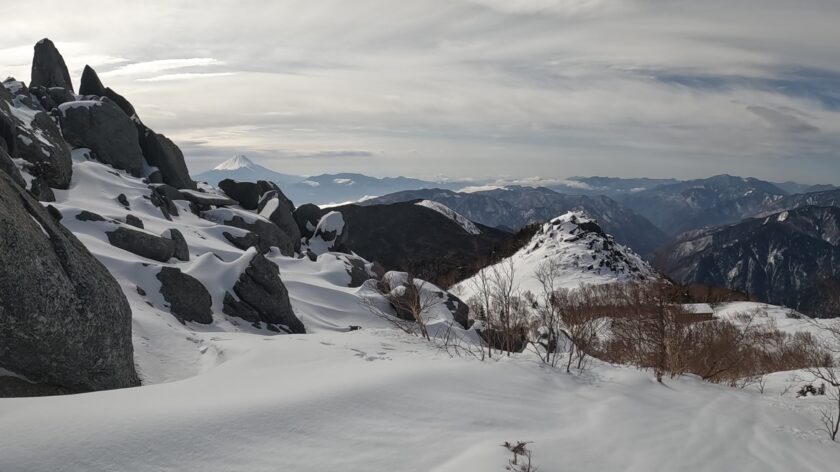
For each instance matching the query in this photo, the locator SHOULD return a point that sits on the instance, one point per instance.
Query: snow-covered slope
(378, 400)
(453, 215)
(583, 252)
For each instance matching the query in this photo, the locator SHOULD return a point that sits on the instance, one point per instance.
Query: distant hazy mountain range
(320, 189)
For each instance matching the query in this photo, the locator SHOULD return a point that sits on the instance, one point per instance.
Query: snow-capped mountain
(584, 253)
(784, 258)
(242, 169)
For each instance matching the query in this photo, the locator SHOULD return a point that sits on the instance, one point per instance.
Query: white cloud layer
(470, 88)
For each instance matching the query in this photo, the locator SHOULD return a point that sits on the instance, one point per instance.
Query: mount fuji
(242, 169)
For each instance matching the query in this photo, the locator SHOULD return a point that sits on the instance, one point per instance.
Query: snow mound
(453, 215)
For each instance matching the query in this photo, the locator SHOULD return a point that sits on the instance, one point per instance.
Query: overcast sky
(468, 88)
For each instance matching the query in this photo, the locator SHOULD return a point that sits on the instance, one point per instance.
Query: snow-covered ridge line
(453, 215)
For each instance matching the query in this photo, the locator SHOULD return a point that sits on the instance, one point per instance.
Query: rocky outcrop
(246, 194)
(260, 296)
(134, 221)
(330, 235)
(92, 86)
(162, 153)
(307, 217)
(8, 166)
(142, 243)
(41, 190)
(48, 67)
(101, 126)
(263, 233)
(359, 270)
(188, 299)
(181, 249)
(64, 321)
(31, 134)
(275, 206)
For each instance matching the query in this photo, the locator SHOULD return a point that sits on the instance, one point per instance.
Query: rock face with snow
(247, 194)
(583, 254)
(102, 127)
(30, 134)
(64, 320)
(279, 210)
(261, 233)
(781, 258)
(48, 67)
(330, 235)
(260, 296)
(307, 217)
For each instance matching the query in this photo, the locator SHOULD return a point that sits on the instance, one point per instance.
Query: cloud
(471, 88)
(185, 76)
(783, 121)
(153, 67)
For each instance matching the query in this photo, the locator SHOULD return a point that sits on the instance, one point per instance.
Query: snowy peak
(582, 253)
(235, 163)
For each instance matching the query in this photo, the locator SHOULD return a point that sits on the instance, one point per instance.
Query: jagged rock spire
(48, 67)
(91, 85)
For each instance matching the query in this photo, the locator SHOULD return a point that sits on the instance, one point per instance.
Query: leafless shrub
(519, 449)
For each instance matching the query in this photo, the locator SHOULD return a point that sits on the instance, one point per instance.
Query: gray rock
(162, 153)
(134, 221)
(261, 296)
(263, 234)
(188, 299)
(64, 320)
(48, 67)
(281, 216)
(248, 194)
(142, 243)
(182, 250)
(102, 127)
(92, 86)
(85, 215)
(41, 190)
(8, 166)
(307, 217)
(206, 200)
(123, 201)
(360, 270)
(460, 311)
(37, 141)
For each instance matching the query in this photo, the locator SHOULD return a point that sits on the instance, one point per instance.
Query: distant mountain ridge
(513, 207)
(781, 258)
(697, 204)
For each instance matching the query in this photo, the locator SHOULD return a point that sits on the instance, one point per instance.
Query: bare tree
(412, 301)
(824, 367)
(482, 301)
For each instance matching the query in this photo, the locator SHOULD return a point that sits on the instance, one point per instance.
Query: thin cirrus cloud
(473, 88)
